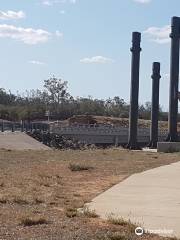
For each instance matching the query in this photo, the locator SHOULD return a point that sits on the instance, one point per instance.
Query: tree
(57, 89)
(6, 98)
(116, 107)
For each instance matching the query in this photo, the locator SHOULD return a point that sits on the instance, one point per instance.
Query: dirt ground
(40, 192)
(20, 141)
(114, 121)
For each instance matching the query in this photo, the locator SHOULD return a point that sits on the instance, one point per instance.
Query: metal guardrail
(23, 126)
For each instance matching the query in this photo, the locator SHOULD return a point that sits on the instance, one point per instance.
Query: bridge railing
(99, 128)
(82, 131)
(23, 126)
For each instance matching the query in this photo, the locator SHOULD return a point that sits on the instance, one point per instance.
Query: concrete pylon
(155, 105)
(174, 80)
(133, 115)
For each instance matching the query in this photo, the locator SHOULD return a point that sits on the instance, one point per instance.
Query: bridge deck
(20, 141)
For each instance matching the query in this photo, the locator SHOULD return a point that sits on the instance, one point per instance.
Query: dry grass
(118, 236)
(75, 167)
(122, 122)
(31, 221)
(20, 200)
(3, 199)
(40, 185)
(119, 221)
(89, 213)
(71, 212)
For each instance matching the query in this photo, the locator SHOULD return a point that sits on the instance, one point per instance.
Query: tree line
(56, 99)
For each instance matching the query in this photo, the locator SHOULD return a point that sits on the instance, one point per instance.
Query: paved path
(151, 198)
(20, 141)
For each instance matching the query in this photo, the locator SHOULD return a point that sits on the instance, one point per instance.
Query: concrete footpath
(150, 199)
(20, 141)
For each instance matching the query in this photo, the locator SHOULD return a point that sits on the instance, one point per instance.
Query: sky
(84, 42)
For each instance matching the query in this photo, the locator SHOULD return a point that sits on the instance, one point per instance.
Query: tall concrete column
(2, 126)
(174, 79)
(133, 115)
(22, 126)
(155, 105)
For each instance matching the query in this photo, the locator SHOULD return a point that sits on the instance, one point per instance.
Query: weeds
(31, 221)
(122, 222)
(90, 213)
(38, 200)
(3, 200)
(20, 200)
(79, 167)
(71, 212)
(118, 236)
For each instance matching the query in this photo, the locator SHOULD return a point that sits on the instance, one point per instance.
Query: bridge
(90, 134)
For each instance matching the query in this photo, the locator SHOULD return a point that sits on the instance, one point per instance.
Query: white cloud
(97, 59)
(47, 3)
(58, 34)
(142, 1)
(35, 62)
(53, 2)
(25, 35)
(11, 15)
(159, 35)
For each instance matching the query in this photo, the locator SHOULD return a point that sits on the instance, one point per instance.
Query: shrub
(90, 213)
(30, 221)
(79, 167)
(71, 212)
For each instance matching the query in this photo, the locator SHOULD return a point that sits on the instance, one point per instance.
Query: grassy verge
(40, 192)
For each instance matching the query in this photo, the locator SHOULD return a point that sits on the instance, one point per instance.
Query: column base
(133, 146)
(152, 145)
(171, 138)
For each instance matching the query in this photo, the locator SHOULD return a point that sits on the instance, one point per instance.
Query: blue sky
(85, 42)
